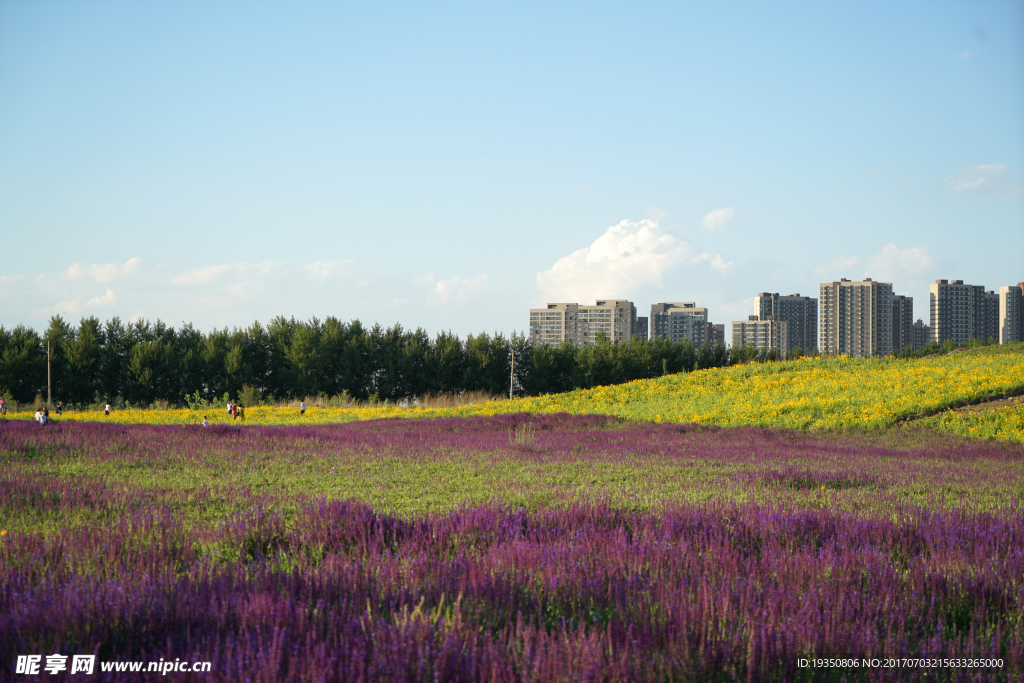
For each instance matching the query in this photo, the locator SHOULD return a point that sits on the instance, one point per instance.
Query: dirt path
(978, 405)
(994, 404)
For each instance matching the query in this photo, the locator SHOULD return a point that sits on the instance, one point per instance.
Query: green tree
(22, 363)
(448, 363)
(59, 334)
(118, 342)
(149, 364)
(84, 362)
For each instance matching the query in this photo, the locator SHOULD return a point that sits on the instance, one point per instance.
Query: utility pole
(48, 402)
(512, 371)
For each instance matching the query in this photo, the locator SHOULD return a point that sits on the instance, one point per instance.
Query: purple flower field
(547, 548)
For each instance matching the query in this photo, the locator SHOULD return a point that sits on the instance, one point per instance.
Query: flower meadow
(1006, 423)
(548, 547)
(811, 393)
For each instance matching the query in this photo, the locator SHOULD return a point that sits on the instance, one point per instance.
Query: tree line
(140, 363)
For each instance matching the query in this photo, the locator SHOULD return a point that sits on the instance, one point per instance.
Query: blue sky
(448, 167)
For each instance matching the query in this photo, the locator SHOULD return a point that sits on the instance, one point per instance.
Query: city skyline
(857, 318)
(447, 169)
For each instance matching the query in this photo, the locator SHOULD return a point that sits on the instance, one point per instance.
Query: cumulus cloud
(228, 294)
(991, 179)
(107, 272)
(628, 255)
(840, 264)
(656, 213)
(207, 274)
(891, 264)
(323, 270)
(223, 286)
(738, 310)
(457, 288)
(105, 300)
(718, 219)
(66, 307)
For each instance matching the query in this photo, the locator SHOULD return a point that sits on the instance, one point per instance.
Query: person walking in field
(302, 407)
(3, 406)
(206, 422)
(60, 408)
(106, 411)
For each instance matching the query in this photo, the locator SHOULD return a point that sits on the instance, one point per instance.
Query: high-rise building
(762, 334)
(680, 320)
(580, 324)
(856, 317)
(715, 333)
(1011, 313)
(960, 312)
(922, 334)
(902, 322)
(990, 317)
(553, 325)
(640, 329)
(801, 312)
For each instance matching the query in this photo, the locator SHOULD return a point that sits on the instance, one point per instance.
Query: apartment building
(581, 324)
(555, 324)
(762, 333)
(1011, 313)
(902, 322)
(640, 329)
(680, 320)
(715, 333)
(990, 316)
(922, 334)
(960, 312)
(800, 312)
(856, 317)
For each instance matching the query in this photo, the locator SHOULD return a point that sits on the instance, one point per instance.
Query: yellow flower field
(806, 394)
(1005, 424)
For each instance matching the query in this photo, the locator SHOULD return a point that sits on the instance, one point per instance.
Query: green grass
(633, 466)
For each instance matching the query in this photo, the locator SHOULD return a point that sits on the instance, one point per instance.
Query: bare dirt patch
(995, 404)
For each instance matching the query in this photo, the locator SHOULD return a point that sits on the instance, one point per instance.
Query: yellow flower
(810, 393)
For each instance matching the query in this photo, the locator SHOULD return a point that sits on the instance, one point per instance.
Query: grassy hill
(810, 393)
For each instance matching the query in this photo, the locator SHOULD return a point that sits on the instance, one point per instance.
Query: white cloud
(738, 310)
(991, 179)
(627, 256)
(457, 288)
(222, 287)
(658, 214)
(230, 294)
(106, 299)
(895, 263)
(206, 274)
(840, 264)
(66, 307)
(717, 219)
(891, 264)
(324, 269)
(967, 54)
(107, 272)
